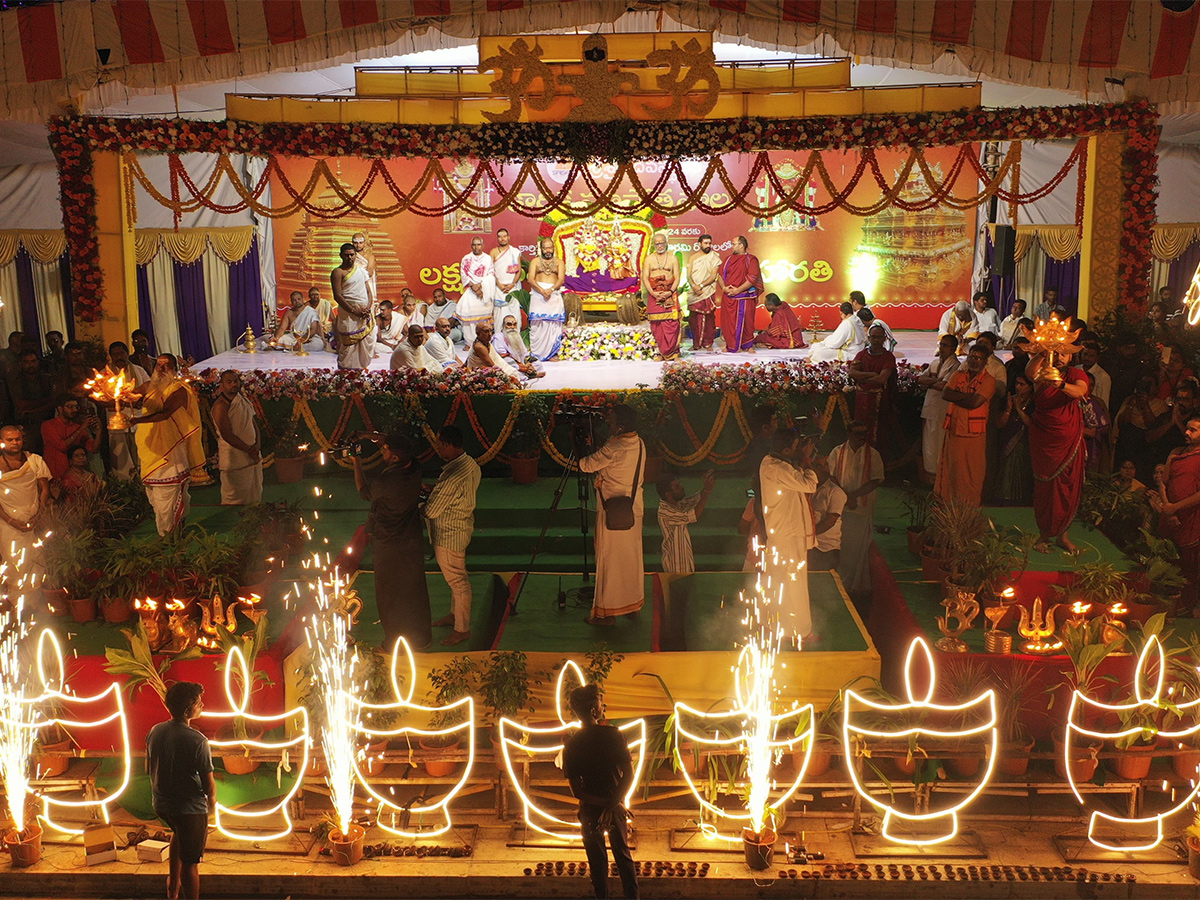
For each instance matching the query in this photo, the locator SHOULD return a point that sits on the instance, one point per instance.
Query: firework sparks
(18, 710)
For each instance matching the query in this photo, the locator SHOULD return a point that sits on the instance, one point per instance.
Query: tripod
(587, 591)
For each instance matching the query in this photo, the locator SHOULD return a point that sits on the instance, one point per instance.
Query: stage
(917, 347)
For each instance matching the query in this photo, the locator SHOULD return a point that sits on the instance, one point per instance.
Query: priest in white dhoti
(364, 257)
(786, 485)
(239, 443)
(546, 311)
(305, 329)
(355, 321)
(411, 311)
(441, 308)
(389, 328)
(505, 278)
(324, 309)
(440, 345)
(858, 468)
(24, 491)
(484, 354)
(411, 353)
(844, 342)
(474, 305)
(959, 320)
(619, 467)
(169, 447)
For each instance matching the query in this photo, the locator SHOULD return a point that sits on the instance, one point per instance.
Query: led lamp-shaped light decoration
(243, 825)
(920, 716)
(523, 743)
(334, 660)
(1191, 299)
(19, 714)
(438, 811)
(1151, 703)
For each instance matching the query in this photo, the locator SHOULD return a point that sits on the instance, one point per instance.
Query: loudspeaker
(1003, 247)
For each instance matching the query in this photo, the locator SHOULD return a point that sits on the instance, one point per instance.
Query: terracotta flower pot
(316, 768)
(1193, 846)
(234, 759)
(56, 601)
(916, 539)
(82, 609)
(758, 848)
(1133, 764)
(1014, 761)
(931, 568)
(820, 760)
(51, 762)
(693, 762)
(117, 610)
(1185, 765)
(347, 848)
(965, 766)
(25, 847)
(438, 768)
(289, 469)
(1082, 765)
(372, 764)
(525, 469)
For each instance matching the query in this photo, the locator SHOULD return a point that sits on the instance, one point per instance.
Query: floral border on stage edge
(75, 139)
(773, 376)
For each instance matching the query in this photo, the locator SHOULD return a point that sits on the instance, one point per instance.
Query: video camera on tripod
(582, 418)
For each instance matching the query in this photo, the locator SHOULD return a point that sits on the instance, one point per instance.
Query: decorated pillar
(115, 244)
(1103, 226)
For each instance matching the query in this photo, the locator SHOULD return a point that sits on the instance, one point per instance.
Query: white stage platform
(605, 375)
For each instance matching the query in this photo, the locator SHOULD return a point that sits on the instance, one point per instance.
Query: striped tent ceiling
(60, 52)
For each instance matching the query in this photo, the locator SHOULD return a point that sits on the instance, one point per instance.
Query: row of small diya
(867, 719)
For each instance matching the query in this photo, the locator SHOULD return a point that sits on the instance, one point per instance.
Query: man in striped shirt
(676, 511)
(450, 515)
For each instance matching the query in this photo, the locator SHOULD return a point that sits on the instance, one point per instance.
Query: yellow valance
(188, 244)
(43, 246)
(1169, 241)
(1057, 241)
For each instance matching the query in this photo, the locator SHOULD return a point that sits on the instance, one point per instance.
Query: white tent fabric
(216, 293)
(29, 197)
(252, 169)
(48, 296)
(199, 166)
(160, 274)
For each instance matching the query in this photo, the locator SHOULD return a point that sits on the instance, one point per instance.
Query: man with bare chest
(660, 281)
(546, 311)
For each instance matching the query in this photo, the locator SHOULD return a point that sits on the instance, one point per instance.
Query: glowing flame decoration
(1191, 299)
(111, 698)
(233, 822)
(1151, 701)
(111, 388)
(546, 744)
(942, 823)
(439, 810)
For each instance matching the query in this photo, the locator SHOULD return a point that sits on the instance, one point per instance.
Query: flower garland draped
(74, 140)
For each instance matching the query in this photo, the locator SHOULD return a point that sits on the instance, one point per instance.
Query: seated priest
(324, 309)
(870, 320)
(959, 320)
(511, 345)
(411, 353)
(784, 332)
(844, 342)
(484, 355)
(389, 327)
(305, 329)
(441, 308)
(296, 299)
(440, 343)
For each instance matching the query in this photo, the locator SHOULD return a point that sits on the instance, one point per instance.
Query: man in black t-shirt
(597, 764)
(179, 762)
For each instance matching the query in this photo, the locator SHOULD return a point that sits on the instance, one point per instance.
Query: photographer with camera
(619, 467)
(394, 525)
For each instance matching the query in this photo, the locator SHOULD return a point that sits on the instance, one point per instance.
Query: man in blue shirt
(179, 762)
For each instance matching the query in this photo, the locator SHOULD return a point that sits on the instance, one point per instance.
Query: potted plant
(290, 453)
(237, 761)
(25, 844)
(954, 526)
(524, 444)
(1184, 676)
(964, 679)
(505, 685)
(918, 506)
(1014, 687)
(1084, 645)
(137, 663)
(1193, 847)
(449, 683)
(1162, 578)
(375, 674)
(995, 560)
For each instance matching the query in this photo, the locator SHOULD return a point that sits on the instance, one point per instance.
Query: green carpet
(483, 592)
(705, 612)
(540, 625)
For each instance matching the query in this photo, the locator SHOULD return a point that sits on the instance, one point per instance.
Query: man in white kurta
(411, 353)
(844, 342)
(239, 445)
(933, 410)
(858, 468)
(505, 278)
(787, 485)
(355, 320)
(619, 467)
(122, 445)
(24, 491)
(474, 307)
(324, 309)
(440, 345)
(547, 314)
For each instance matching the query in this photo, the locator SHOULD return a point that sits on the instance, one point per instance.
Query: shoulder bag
(618, 511)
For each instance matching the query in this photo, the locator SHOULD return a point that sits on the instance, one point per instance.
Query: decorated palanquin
(929, 246)
(603, 255)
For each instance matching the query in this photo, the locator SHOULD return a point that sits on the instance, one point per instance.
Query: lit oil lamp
(1054, 336)
(1114, 626)
(111, 388)
(152, 617)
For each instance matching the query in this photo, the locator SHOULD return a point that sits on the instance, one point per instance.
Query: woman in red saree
(1177, 499)
(1056, 447)
(873, 372)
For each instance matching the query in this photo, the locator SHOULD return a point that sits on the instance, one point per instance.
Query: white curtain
(253, 167)
(1031, 277)
(48, 296)
(10, 311)
(160, 273)
(216, 294)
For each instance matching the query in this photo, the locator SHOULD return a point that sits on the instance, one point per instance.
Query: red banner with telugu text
(910, 265)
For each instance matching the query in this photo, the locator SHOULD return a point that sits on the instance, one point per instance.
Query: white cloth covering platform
(604, 375)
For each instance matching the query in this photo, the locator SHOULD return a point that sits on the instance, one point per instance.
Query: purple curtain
(245, 293)
(64, 268)
(1179, 277)
(145, 316)
(1063, 276)
(29, 314)
(191, 305)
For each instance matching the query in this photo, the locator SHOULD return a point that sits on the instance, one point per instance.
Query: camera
(345, 451)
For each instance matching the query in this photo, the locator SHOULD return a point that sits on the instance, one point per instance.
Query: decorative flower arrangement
(75, 139)
(321, 384)
(606, 341)
(793, 376)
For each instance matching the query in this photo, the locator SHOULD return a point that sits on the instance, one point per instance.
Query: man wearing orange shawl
(963, 464)
(784, 332)
(169, 449)
(741, 283)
